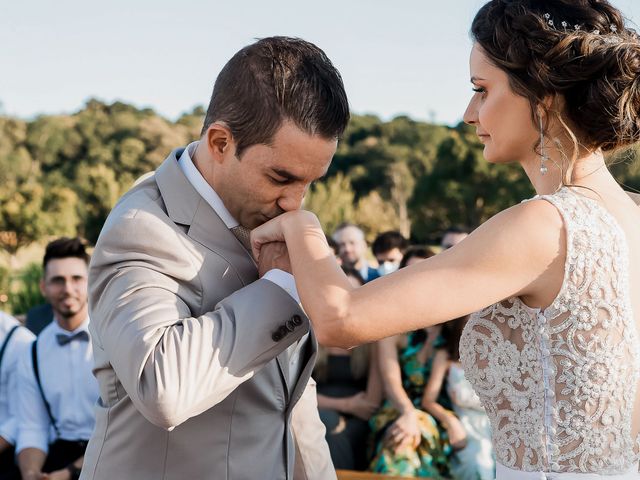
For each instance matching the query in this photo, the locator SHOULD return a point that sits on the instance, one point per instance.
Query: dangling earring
(543, 153)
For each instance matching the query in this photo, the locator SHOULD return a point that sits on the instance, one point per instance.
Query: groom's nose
(292, 197)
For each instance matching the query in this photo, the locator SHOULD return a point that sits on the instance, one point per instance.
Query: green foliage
(332, 201)
(4, 289)
(25, 289)
(61, 175)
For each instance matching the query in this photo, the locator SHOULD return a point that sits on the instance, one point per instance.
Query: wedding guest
(349, 391)
(336, 249)
(409, 441)
(56, 388)
(14, 340)
(469, 430)
(388, 248)
(452, 236)
(415, 254)
(352, 248)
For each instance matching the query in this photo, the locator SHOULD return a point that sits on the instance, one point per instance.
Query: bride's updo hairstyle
(577, 50)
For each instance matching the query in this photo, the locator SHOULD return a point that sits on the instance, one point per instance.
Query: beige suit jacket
(193, 382)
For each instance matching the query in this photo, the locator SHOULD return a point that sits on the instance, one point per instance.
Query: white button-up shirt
(20, 341)
(281, 278)
(68, 384)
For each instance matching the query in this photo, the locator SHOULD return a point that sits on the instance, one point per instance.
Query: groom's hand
(274, 255)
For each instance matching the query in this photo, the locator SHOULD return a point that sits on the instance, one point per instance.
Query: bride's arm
(518, 252)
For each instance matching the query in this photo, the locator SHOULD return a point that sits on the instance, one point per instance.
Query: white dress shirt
(68, 384)
(19, 342)
(281, 278)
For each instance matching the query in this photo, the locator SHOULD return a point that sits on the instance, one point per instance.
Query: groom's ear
(220, 144)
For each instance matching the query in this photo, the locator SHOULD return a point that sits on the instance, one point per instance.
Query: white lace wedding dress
(559, 384)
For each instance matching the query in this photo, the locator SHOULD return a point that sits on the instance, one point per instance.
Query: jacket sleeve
(173, 365)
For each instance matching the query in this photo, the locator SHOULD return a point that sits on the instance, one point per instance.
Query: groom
(204, 369)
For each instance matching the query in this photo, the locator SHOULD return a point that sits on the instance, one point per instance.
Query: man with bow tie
(57, 391)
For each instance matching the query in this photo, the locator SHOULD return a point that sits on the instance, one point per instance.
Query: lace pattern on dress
(559, 384)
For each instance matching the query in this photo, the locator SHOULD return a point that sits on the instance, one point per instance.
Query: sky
(396, 56)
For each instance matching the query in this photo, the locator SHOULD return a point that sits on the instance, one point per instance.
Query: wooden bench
(353, 475)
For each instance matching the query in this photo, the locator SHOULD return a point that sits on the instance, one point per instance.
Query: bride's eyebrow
(475, 79)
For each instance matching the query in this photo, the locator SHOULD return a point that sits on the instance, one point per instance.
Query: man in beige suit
(204, 369)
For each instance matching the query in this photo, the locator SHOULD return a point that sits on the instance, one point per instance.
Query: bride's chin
(492, 158)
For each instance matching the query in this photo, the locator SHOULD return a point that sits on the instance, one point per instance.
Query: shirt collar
(205, 190)
(58, 329)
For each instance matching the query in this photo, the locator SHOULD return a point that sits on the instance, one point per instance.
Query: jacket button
(283, 331)
(290, 326)
(276, 337)
(297, 320)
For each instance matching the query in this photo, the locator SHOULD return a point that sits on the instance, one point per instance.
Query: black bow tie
(64, 339)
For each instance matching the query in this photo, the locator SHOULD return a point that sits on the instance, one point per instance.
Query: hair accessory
(576, 27)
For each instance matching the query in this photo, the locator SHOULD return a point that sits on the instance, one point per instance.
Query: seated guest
(408, 441)
(469, 429)
(56, 388)
(453, 236)
(415, 254)
(349, 391)
(336, 249)
(388, 248)
(352, 248)
(14, 340)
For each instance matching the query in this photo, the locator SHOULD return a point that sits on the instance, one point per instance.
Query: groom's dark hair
(273, 80)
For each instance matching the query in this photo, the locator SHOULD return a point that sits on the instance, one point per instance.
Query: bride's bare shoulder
(529, 222)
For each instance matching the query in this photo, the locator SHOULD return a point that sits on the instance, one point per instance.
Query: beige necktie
(243, 235)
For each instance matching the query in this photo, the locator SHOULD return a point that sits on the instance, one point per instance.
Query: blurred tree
(24, 291)
(62, 174)
(98, 188)
(332, 201)
(22, 218)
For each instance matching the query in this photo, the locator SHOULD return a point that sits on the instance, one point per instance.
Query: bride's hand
(274, 230)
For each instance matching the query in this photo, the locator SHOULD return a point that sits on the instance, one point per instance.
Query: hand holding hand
(360, 406)
(63, 474)
(405, 431)
(36, 476)
(274, 230)
(273, 255)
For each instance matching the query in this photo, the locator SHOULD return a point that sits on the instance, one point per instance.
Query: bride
(553, 348)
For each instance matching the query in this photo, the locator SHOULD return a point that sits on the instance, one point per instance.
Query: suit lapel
(208, 229)
(185, 206)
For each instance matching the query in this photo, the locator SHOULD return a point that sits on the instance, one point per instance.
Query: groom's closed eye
(282, 177)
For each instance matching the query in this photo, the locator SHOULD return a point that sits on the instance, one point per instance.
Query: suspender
(6, 342)
(36, 372)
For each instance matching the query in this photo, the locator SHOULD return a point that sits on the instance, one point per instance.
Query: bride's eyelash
(478, 89)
